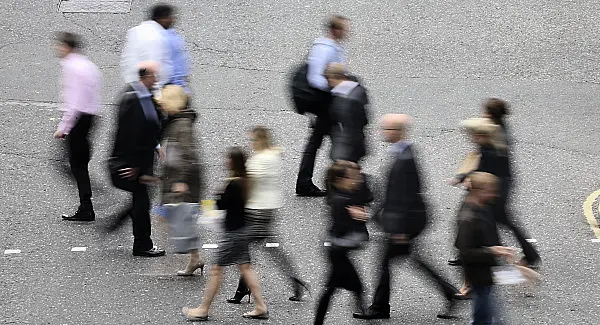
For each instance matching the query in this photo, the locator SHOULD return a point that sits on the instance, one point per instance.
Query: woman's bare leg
(252, 281)
(216, 275)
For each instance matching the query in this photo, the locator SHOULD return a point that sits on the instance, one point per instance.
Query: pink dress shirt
(82, 82)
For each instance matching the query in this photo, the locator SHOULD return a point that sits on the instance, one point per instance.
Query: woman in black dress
(347, 197)
(233, 246)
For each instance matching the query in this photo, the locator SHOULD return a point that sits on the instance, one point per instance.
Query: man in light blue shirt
(325, 50)
(180, 59)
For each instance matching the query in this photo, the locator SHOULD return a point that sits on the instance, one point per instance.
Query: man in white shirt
(148, 42)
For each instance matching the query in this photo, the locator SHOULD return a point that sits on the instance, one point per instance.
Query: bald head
(148, 71)
(395, 127)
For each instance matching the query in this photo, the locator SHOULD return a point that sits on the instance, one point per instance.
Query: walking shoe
(83, 214)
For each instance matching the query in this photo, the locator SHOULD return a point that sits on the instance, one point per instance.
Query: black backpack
(304, 96)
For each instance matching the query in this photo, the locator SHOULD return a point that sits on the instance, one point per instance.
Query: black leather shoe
(82, 214)
(152, 252)
(371, 313)
(239, 295)
(311, 191)
(455, 262)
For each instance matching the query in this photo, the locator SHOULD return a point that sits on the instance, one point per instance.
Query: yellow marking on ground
(589, 212)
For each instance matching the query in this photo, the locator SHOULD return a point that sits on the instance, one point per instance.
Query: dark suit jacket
(136, 137)
(403, 210)
(349, 118)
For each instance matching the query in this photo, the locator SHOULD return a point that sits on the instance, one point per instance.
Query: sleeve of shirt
(162, 54)
(317, 61)
(71, 95)
(128, 72)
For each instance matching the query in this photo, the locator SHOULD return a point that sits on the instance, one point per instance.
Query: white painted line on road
(326, 244)
(78, 249)
(12, 251)
(531, 240)
(595, 240)
(210, 246)
(272, 245)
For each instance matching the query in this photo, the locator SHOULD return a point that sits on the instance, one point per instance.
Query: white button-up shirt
(146, 42)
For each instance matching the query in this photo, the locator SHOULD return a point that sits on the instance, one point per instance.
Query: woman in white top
(261, 208)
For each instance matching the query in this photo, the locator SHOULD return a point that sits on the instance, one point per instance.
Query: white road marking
(12, 251)
(531, 240)
(210, 246)
(272, 245)
(326, 244)
(595, 240)
(78, 249)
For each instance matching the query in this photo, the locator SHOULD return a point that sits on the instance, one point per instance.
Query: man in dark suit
(132, 158)
(348, 115)
(402, 215)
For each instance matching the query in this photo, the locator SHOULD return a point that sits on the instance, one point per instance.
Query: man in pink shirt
(81, 102)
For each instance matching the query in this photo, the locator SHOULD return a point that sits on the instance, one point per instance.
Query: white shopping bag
(507, 275)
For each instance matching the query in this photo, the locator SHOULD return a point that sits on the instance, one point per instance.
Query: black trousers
(320, 129)
(79, 149)
(343, 275)
(139, 212)
(381, 300)
(503, 216)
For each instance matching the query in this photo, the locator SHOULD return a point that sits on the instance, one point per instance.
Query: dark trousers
(320, 129)
(343, 275)
(140, 217)
(278, 256)
(79, 156)
(483, 311)
(503, 216)
(381, 300)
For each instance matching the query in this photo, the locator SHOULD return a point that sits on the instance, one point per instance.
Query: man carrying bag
(310, 93)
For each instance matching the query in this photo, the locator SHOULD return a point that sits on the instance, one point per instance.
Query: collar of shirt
(344, 88)
(145, 98)
(399, 147)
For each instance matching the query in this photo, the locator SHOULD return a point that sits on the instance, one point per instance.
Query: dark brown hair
(496, 108)
(237, 157)
(71, 40)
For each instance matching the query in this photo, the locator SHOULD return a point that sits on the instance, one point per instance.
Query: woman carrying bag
(347, 197)
(181, 175)
(264, 168)
(233, 246)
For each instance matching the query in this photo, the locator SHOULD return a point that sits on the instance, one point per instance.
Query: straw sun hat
(172, 99)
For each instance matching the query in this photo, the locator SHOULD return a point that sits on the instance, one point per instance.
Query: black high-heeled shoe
(299, 288)
(239, 295)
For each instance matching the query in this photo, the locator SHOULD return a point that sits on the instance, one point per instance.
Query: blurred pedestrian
(347, 197)
(148, 42)
(494, 159)
(325, 50)
(348, 111)
(496, 110)
(264, 202)
(180, 74)
(233, 246)
(403, 217)
(136, 140)
(81, 103)
(181, 174)
(478, 244)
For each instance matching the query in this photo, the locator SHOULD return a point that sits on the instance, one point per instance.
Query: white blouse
(263, 171)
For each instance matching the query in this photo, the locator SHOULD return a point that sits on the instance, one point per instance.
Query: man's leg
(482, 307)
(140, 217)
(79, 158)
(320, 129)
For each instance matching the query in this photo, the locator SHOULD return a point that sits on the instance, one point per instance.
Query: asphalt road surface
(435, 60)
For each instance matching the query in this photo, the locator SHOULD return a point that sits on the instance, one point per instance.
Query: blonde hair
(487, 127)
(262, 136)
